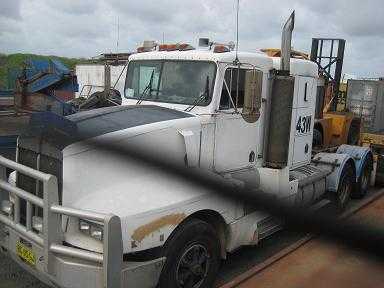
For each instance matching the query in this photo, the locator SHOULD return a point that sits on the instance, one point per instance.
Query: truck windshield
(181, 82)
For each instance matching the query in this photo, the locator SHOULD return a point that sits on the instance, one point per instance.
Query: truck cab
(213, 88)
(83, 216)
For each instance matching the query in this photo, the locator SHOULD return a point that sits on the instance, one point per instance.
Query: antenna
(237, 30)
(118, 34)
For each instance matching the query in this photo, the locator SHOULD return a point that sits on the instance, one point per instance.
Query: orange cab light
(172, 47)
(163, 47)
(185, 47)
(221, 49)
(168, 47)
(140, 49)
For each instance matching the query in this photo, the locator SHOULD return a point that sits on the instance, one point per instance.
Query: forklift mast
(328, 54)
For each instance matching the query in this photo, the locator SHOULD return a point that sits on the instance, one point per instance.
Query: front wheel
(193, 257)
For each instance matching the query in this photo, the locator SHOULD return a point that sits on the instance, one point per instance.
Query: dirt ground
(319, 264)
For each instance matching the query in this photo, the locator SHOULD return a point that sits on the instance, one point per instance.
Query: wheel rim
(344, 193)
(192, 267)
(365, 180)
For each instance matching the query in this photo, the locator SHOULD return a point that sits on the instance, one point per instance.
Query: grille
(48, 165)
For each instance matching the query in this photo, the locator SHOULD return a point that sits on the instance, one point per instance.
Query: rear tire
(364, 179)
(346, 186)
(193, 257)
(317, 140)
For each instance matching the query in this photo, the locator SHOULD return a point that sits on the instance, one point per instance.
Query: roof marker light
(185, 47)
(221, 49)
(148, 45)
(174, 47)
(140, 49)
(168, 47)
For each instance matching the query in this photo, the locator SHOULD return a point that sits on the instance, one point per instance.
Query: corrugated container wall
(365, 98)
(93, 74)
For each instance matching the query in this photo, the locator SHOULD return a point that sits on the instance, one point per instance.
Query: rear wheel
(346, 187)
(193, 257)
(364, 179)
(317, 141)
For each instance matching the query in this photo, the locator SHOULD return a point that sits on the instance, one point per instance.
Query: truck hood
(108, 182)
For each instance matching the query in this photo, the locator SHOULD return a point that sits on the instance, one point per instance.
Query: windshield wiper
(146, 89)
(204, 96)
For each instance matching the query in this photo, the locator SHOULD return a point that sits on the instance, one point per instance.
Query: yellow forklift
(333, 124)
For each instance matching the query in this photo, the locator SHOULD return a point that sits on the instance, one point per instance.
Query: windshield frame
(212, 89)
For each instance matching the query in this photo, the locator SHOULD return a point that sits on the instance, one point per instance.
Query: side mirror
(252, 95)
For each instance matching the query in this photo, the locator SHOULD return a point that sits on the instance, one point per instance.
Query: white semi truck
(78, 216)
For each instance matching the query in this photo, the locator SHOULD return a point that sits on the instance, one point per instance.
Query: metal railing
(90, 88)
(51, 238)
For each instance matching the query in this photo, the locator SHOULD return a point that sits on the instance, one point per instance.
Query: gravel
(13, 276)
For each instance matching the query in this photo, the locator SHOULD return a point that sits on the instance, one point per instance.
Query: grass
(15, 61)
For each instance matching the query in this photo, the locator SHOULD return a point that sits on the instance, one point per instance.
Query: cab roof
(259, 59)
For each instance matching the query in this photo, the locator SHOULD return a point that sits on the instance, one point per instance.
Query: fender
(359, 155)
(334, 163)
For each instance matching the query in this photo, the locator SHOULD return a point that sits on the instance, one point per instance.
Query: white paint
(303, 116)
(93, 74)
(235, 140)
(218, 141)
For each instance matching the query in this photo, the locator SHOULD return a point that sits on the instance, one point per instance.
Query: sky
(86, 28)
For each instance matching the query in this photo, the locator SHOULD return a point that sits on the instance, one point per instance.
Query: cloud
(10, 9)
(77, 7)
(89, 27)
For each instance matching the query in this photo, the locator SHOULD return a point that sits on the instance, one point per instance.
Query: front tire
(193, 257)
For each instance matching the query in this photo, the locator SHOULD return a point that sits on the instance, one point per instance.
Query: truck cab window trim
(181, 87)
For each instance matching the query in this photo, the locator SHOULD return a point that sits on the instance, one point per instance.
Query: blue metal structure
(49, 74)
(40, 80)
(36, 85)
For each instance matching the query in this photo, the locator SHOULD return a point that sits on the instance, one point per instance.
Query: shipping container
(365, 98)
(91, 78)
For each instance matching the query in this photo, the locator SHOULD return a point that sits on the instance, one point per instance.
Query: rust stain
(168, 220)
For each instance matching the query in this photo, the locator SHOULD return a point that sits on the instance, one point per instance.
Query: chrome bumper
(71, 272)
(57, 264)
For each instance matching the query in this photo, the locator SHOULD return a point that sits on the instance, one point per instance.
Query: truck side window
(233, 78)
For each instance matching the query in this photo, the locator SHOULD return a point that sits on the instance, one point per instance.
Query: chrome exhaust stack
(286, 43)
(280, 105)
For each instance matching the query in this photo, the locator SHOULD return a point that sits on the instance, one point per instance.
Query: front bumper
(69, 272)
(54, 263)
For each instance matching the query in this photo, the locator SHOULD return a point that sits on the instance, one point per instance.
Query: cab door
(236, 141)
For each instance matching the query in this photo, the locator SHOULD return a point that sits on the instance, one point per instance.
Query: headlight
(92, 229)
(97, 232)
(7, 207)
(37, 223)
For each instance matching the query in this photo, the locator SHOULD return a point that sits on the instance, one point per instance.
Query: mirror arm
(230, 97)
